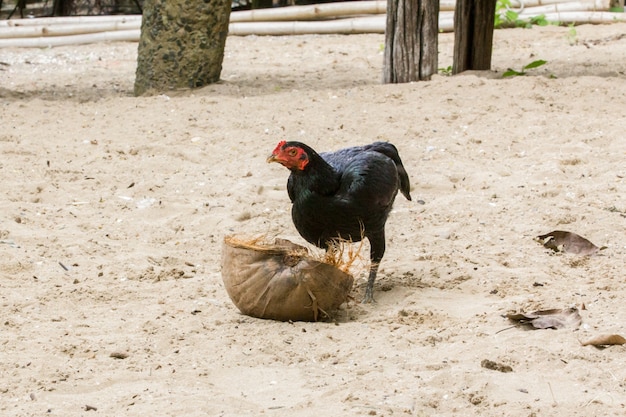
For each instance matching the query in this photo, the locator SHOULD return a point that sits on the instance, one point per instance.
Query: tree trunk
(411, 40)
(473, 34)
(182, 44)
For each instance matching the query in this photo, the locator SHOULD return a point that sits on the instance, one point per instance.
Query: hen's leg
(369, 289)
(377, 250)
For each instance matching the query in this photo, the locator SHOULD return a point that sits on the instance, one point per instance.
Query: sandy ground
(114, 209)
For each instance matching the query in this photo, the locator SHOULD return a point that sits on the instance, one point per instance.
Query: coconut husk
(281, 281)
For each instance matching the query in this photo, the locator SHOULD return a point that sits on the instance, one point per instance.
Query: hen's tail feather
(405, 186)
(391, 152)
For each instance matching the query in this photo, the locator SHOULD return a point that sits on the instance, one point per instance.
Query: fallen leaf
(604, 340)
(561, 241)
(549, 319)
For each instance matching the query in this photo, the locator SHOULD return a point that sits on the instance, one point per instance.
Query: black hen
(345, 194)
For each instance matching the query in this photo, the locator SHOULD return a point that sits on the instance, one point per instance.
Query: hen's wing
(368, 178)
(373, 171)
(391, 152)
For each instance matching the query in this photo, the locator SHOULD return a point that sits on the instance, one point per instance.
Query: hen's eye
(293, 152)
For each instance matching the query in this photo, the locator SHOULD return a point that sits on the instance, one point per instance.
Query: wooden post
(411, 40)
(473, 34)
(62, 7)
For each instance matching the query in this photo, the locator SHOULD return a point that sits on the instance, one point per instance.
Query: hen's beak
(272, 158)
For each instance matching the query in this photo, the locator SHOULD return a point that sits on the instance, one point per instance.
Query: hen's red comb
(279, 146)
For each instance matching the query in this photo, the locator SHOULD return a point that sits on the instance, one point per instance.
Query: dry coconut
(281, 281)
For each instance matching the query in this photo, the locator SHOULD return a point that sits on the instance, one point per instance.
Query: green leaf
(445, 71)
(511, 16)
(511, 73)
(535, 64)
(536, 20)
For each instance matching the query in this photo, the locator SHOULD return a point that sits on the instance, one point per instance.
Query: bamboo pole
(324, 10)
(67, 29)
(120, 36)
(88, 29)
(522, 4)
(375, 24)
(310, 12)
(569, 6)
(307, 12)
(585, 17)
(44, 21)
(283, 13)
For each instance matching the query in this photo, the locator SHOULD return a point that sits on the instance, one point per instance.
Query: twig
(506, 328)
(552, 393)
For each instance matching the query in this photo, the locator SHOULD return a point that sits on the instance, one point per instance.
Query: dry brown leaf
(568, 242)
(604, 340)
(549, 319)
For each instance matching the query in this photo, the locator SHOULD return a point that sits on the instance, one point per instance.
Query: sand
(115, 208)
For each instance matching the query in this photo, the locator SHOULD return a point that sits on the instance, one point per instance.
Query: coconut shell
(281, 281)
